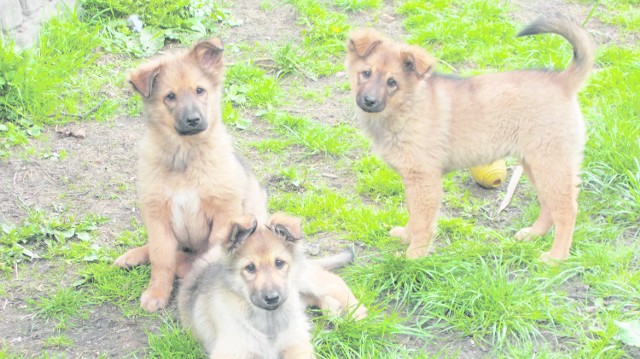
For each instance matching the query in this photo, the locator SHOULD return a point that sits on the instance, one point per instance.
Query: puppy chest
(189, 221)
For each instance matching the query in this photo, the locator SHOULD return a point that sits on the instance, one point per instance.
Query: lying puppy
(243, 299)
(424, 125)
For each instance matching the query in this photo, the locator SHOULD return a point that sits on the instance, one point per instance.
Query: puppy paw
(183, 270)
(360, 312)
(417, 251)
(525, 235)
(133, 257)
(154, 299)
(552, 260)
(125, 262)
(400, 233)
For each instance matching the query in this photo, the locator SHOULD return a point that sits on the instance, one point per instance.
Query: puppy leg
(184, 262)
(133, 257)
(564, 210)
(162, 255)
(300, 350)
(542, 225)
(327, 291)
(557, 185)
(424, 193)
(222, 222)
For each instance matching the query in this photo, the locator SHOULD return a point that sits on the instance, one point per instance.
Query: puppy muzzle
(191, 123)
(268, 300)
(369, 103)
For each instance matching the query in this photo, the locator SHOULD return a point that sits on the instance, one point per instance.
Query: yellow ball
(491, 175)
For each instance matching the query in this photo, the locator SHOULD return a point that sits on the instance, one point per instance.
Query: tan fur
(189, 185)
(424, 125)
(243, 298)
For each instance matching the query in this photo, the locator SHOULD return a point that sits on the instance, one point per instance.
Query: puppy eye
(279, 263)
(391, 83)
(366, 74)
(170, 96)
(251, 268)
(200, 90)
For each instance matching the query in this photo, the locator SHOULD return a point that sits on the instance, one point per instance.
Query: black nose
(369, 101)
(193, 121)
(272, 298)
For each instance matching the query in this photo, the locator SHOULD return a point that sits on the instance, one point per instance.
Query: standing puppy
(243, 299)
(190, 182)
(424, 125)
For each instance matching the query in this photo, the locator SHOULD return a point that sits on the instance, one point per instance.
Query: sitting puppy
(244, 298)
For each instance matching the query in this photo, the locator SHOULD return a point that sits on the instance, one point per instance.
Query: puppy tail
(336, 261)
(583, 48)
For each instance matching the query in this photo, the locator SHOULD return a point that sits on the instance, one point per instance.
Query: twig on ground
(81, 116)
(511, 188)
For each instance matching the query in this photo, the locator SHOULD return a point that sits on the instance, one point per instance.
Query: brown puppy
(243, 299)
(424, 124)
(190, 183)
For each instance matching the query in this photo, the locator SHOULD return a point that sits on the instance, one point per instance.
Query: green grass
(43, 236)
(39, 86)
(480, 293)
(358, 5)
(183, 21)
(324, 36)
(171, 341)
(61, 306)
(474, 36)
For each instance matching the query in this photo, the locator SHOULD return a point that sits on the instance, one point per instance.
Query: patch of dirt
(96, 175)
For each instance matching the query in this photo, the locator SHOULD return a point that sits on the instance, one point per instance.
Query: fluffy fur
(190, 182)
(424, 124)
(243, 299)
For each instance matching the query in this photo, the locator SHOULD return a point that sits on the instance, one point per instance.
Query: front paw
(401, 233)
(154, 299)
(418, 251)
(552, 260)
(125, 261)
(133, 257)
(360, 312)
(526, 235)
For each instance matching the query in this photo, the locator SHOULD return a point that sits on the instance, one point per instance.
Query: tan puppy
(424, 124)
(243, 299)
(190, 183)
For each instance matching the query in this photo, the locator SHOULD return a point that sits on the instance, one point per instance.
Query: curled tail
(583, 48)
(335, 261)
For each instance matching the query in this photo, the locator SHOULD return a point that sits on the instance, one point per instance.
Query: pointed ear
(241, 229)
(208, 54)
(289, 228)
(418, 61)
(363, 42)
(142, 78)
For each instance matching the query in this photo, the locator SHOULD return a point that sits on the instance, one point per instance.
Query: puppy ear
(240, 231)
(142, 78)
(418, 61)
(289, 228)
(363, 42)
(208, 54)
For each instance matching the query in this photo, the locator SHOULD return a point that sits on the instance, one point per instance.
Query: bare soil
(98, 176)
